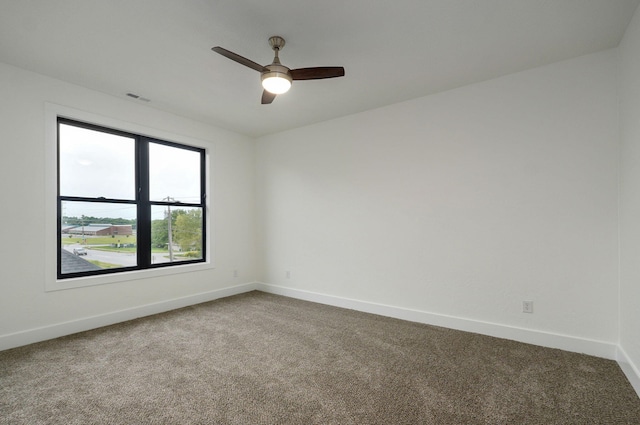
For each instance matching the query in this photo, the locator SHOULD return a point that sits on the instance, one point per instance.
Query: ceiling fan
(277, 78)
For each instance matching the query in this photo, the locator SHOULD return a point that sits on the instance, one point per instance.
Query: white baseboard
(630, 370)
(564, 342)
(67, 328)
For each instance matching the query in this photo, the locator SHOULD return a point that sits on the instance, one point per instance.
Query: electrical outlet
(527, 306)
(288, 274)
(235, 273)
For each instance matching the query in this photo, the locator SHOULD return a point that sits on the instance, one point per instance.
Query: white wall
(630, 196)
(25, 307)
(462, 204)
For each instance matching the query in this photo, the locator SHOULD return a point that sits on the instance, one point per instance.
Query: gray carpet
(263, 359)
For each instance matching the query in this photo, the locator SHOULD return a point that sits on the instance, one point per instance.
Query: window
(127, 202)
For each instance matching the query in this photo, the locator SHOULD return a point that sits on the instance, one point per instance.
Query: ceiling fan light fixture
(276, 82)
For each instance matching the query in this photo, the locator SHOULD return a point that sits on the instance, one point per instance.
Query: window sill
(81, 282)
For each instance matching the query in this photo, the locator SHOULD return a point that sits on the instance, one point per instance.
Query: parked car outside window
(80, 251)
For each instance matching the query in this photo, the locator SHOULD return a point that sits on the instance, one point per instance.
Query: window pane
(96, 164)
(174, 173)
(178, 239)
(96, 235)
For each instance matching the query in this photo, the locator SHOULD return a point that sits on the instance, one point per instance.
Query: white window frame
(52, 283)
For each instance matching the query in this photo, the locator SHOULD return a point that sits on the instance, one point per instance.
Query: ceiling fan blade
(267, 97)
(240, 59)
(317, 73)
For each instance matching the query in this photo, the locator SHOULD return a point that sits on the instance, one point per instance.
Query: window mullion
(144, 207)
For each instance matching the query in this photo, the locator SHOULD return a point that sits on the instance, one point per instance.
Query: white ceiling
(391, 50)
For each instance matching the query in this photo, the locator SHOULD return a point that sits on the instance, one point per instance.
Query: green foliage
(104, 265)
(188, 230)
(159, 233)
